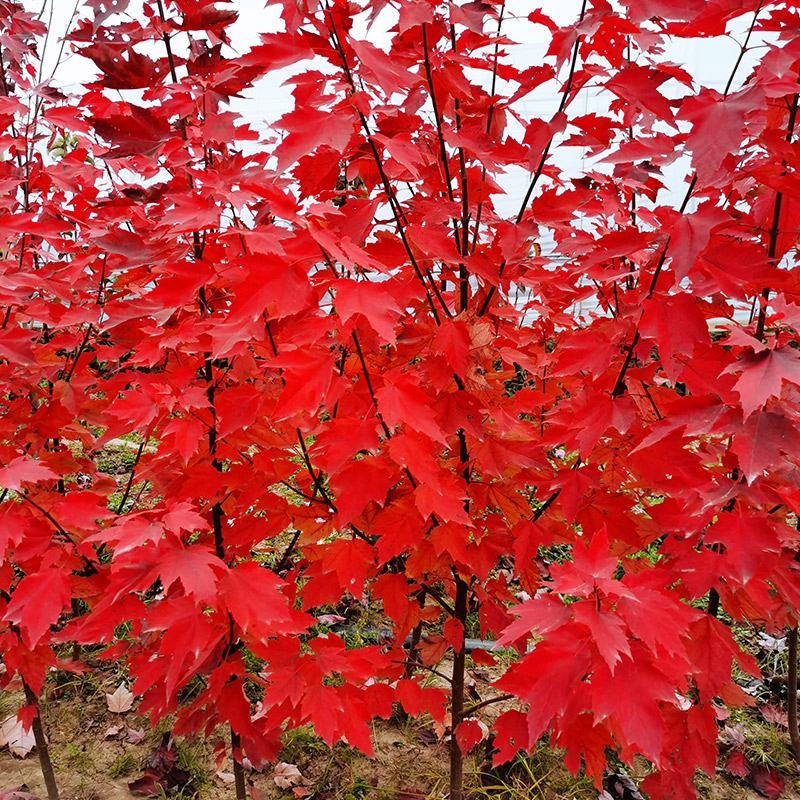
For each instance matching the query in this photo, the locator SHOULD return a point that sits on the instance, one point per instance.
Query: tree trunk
(238, 769)
(713, 603)
(457, 697)
(41, 746)
(791, 694)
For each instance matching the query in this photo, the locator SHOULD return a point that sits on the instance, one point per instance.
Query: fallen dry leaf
(14, 736)
(162, 775)
(427, 736)
(737, 764)
(287, 775)
(135, 735)
(20, 793)
(441, 728)
(120, 701)
(775, 715)
(767, 781)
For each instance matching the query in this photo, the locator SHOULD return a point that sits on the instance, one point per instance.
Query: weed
(539, 775)
(123, 765)
(193, 758)
(7, 705)
(116, 459)
(181, 794)
(301, 742)
(358, 790)
(765, 744)
(76, 758)
(70, 684)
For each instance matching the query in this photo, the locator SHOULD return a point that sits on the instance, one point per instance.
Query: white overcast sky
(709, 61)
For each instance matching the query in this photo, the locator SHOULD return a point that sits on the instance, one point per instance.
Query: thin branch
(470, 710)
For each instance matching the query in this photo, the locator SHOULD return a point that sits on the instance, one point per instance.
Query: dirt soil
(95, 760)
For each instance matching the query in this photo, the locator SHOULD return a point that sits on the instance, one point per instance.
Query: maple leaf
(511, 736)
(546, 677)
(16, 737)
(37, 603)
(187, 434)
(453, 341)
(123, 67)
(592, 565)
(631, 697)
(253, 597)
(469, 733)
(342, 439)
(308, 128)
(197, 569)
(24, 470)
(402, 401)
(651, 616)
(745, 538)
(18, 794)
(690, 236)
(761, 443)
(608, 633)
(763, 374)
(359, 483)
(415, 699)
(130, 532)
(737, 764)
(286, 775)
(103, 9)
(717, 123)
(182, 516)
(767, 781)
(713, 652)
(120, 700)
(542, 614)
(15, 347)
(446, 498)
(775, 715)
(386, 71)
(205, 288)
(639, 85)
(371, 301)
(678, 326)
(134, 131)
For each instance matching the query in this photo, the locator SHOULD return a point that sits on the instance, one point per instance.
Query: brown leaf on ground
(120, 701)
(286, 775)
(20, 793)
(14, 736)
(774, 715)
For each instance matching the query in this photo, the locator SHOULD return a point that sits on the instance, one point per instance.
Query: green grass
(123, 765)
(116, 459)
(765, 744)
(358, 789)
(76, 758)
(301, 743)
(531, 777)
(194, 759)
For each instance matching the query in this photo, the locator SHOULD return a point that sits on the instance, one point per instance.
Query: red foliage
(346, 372)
